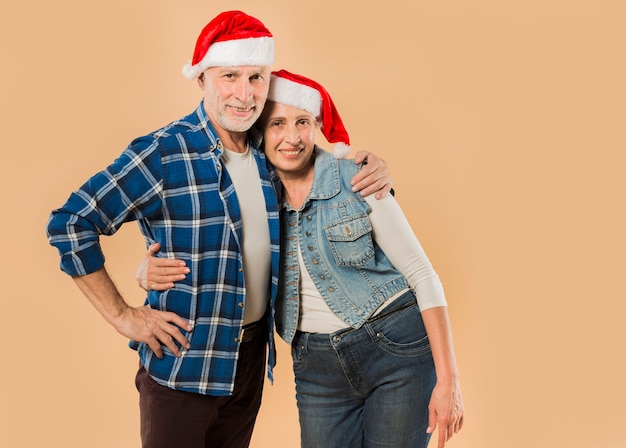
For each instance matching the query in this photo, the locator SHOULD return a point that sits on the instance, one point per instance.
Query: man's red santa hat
(306, 94)
(231, 39)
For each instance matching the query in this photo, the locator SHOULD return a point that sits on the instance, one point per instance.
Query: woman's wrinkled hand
(159, 274)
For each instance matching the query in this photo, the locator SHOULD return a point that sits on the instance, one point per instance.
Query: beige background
(502, 122)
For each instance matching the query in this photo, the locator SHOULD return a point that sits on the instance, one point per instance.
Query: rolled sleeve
(127, 190)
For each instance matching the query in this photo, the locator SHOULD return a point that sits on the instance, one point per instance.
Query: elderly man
(201, 189)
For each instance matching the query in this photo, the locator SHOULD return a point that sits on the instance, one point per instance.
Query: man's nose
(243, 90)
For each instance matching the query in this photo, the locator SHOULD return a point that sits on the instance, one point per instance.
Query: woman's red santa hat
(305, 94)
(231, 39)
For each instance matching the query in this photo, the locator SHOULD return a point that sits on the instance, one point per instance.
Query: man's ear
(201, 80)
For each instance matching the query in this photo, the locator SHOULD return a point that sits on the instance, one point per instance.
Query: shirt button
(240, 304)
(315, 261)
(322, 277)
(310, 247)
(308, 233)
(308, 218)
(331, 289)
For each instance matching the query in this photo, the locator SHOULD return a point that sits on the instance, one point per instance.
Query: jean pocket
(403, 333)
(298, 354)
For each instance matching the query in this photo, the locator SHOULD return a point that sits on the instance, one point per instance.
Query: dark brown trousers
(176, 419)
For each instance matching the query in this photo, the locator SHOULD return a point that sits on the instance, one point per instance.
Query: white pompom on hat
(231, 39)
(306, 94)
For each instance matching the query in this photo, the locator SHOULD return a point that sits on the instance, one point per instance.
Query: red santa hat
(305, 94)
(231, 39)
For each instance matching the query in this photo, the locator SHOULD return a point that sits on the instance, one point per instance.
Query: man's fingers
(168, 335)
(360, 156)
(167, 340)
(155, 346)
(158, 329)
(372, 179)
(368, 170)
(380, 187)
(175, 319)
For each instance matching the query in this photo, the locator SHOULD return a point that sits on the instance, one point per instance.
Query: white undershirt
(394, 235)
(255, 246)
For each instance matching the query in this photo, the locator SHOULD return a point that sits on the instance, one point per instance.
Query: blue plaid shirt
(174, 185)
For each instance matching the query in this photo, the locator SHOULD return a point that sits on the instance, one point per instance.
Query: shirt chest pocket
(350, 241)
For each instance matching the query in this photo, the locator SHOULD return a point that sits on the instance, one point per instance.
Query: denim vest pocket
(350, 240)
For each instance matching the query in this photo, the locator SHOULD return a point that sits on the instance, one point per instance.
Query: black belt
(385, 313)
(250, 331)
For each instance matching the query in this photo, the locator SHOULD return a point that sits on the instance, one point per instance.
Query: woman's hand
(159, 274)
(446, 411)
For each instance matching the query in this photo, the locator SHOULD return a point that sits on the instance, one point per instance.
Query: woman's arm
(394, 235)
(445, 409)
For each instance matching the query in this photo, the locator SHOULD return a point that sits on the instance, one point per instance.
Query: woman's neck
(296, 187)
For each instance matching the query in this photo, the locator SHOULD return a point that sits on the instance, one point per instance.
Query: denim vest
(350, 271)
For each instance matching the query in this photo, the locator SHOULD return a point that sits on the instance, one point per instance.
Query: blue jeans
(368, 387)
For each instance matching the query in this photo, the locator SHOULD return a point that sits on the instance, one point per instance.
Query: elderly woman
(359, 302)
